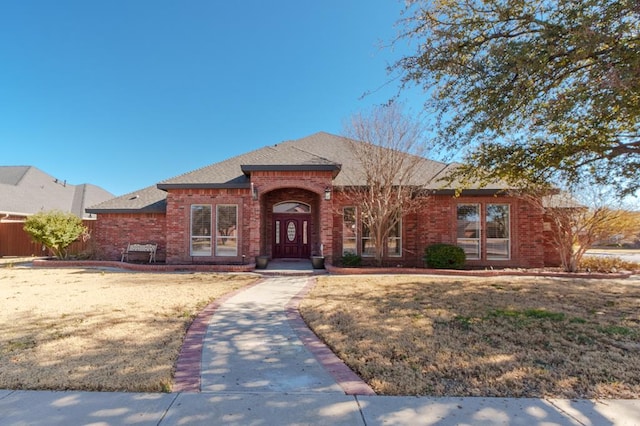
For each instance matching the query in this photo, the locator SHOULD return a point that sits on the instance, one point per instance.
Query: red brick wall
(179, 203)
(551, 254)
(112, 232)
(435, 222)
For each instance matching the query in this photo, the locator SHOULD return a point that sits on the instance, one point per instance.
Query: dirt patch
(492, 336)
(88, 329)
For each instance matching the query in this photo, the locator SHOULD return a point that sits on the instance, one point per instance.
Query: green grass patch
(527, 313)
(615, 330)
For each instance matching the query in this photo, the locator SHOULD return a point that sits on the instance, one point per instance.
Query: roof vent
(135, 197)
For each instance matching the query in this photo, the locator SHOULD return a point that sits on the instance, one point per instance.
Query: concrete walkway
(261, 366)
(251, 347)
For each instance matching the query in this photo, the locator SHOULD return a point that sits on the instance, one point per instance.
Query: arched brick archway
(291, 222)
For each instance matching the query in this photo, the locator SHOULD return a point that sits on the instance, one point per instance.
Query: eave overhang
(168, 186)
(470, 192)
(247, 169)
(123, 211)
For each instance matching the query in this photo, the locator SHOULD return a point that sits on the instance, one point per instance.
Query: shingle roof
(146, 200)
(25, 190)
(229, 173)
(318, 151)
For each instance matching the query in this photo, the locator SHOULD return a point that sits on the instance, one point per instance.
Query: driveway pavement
(259, 367)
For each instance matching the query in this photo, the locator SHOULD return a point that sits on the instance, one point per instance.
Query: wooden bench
(140, 248)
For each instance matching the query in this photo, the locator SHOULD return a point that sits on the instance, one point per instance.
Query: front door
(291, 236)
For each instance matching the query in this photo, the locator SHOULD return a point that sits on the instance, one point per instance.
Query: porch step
(292, 267)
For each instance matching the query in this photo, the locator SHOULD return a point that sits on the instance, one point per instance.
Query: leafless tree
(579, 222)
(389, 146)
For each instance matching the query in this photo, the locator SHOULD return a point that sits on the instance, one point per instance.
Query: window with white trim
(468, 229)
(367, 244)
(394, 240)
(200, 230)
(498, 235)
(226, 230)
(349, 231)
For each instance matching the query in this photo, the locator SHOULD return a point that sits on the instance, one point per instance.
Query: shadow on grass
(484, 337)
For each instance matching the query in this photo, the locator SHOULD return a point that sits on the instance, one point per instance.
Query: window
(468, 231)
(357, 239)
(349, 231)
(498, 224)
(394, 241)
(497, 235)
(200, 230)
(367, 244)
(226, 230)
(291, 207)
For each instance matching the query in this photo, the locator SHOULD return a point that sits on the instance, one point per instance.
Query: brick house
(286, 201)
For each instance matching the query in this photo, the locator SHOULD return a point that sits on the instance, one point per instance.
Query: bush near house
(607, 264)
(351, 260)
(56, 230)
(444, 256)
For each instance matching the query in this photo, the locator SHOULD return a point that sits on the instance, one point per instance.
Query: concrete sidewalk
(40, 408)
(261, 366)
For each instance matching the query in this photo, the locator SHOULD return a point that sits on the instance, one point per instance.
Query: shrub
(607, 264)
(444, 256)
(56, 230)
(351, 259)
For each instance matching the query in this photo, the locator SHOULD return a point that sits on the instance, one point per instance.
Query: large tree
(388, 144)
(534, 90)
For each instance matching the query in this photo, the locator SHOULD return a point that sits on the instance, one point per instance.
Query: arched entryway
(291, 235)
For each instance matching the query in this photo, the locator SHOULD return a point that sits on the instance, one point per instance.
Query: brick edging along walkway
(189, 363)
(349, 381)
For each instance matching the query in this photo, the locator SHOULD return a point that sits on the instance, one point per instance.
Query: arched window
(291, 207)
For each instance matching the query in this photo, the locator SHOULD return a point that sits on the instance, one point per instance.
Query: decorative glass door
(291, 236)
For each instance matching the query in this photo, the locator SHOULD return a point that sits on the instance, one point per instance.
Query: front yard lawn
(98, 330)
(503, 337)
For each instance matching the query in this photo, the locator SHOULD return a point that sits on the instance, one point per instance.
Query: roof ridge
(314, 155)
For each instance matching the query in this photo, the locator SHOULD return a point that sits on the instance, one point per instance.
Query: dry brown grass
(507, 337)
(98, 330)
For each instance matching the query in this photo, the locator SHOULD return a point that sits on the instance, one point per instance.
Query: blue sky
(124, 94)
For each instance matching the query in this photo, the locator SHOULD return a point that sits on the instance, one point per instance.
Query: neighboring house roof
(320, 151)
(25, 190)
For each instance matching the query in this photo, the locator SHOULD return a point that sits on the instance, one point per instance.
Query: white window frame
(200, 236)
(354, 238)
(506, 240)
(395, 238)
(465, 242)
(363, 239)
(234, 238)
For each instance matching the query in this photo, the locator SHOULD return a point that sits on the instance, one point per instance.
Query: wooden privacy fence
(14, 241)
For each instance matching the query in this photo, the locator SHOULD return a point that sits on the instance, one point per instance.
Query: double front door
(291, 236)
